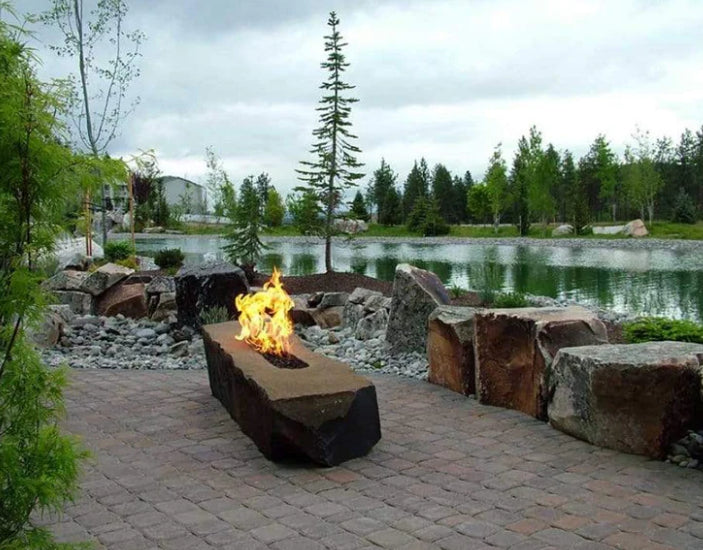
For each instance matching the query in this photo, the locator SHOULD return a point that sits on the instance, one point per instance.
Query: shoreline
(626, 244)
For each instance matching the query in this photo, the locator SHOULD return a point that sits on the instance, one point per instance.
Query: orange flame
(264, 317)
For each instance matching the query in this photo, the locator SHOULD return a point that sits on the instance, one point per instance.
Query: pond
(640, 281)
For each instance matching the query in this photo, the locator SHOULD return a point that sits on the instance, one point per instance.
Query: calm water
(655, 282)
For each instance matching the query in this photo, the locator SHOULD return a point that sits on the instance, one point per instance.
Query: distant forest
(654, 179)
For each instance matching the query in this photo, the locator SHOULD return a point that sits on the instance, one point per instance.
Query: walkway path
(173, 471)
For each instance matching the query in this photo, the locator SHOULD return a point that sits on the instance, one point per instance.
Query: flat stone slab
(324, 411)
(450, 348)
(515, 347)
(636, 398)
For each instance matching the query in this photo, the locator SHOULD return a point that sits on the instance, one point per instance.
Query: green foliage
(274, 209)
(220, 189)
(657, 329)
(485, 279)
(496, 182)
(358, 208)
(456, 291)
(118, 250)
(684, 210)
(305, 210)
(443, 192)
(426, 219)
(214, 315)
(385, 196)
(478, 203)
(130, 262)
(169, 258)
(243, 245)
(509, 300)
(335, 167)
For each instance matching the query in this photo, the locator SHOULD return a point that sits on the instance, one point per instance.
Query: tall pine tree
(416, 186)
(335, 167)
(443, 192)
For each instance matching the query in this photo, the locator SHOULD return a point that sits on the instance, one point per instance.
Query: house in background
(180, 191)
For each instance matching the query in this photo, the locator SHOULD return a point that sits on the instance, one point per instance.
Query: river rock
(333, 299)
(301, 312)
(81, 303)
(360, 295)
(352, 314)
(165, 307)
(105, 277)
(127, 300)
(159, 284)
(208, 285)
(635, 228)
(636, 398)
(69, 279)
(450, 348)
(514, 349)
(416, 294)
(562, 230)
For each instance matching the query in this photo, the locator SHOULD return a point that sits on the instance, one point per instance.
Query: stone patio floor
(171, 470)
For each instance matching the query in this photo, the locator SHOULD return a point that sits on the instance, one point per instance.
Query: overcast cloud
(446, 80)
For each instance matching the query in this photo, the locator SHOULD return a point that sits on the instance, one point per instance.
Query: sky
(444, 80)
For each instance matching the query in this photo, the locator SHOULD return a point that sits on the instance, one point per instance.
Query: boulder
(105, 277)
(71, 252)
(155, 229)
(159, 284)
(360, 295)
(608, 229)
(514, 349)
(165, 307)
(635, 228)
(81, 303)
(63, 311)
(48, 331)
(128, 300)
(374, 303)
(214, 284)
(369, 325)
(68, 279)
(636, 398)
(333, 299)
(352, 314)
(563, 230)
(450, 348)
(323, 411)
(301, 313)
(416, 294)
(329, 317)
(350, 227)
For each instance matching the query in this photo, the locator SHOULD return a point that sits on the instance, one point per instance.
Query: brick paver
(172, 470)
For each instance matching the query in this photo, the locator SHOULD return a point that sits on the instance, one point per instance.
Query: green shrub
(684, 210)
(456, 291)
(131, 262)
(509, 300)
(169, 258)
(117, 250)
(656, 329)
(214, 315)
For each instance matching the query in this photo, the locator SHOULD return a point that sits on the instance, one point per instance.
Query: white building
(180, 191)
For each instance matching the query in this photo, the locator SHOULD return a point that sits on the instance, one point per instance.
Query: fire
(264, 317)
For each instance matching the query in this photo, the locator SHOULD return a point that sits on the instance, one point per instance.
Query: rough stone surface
(416, 294)
(635, 228)
(81, 303)
(301, 313)
(636, 398)
(450, 348)
(369, 326)
(323, 412)
(360, 295)
(514, 349)
(127, 300)
(165, 307)
(350, 227)
(161, 283)
(333, 299)
(104, 278)
(328, 317)
(208, 285)
(68, 279)
(48, 331)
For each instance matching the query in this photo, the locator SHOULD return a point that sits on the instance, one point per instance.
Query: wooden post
(130, 190)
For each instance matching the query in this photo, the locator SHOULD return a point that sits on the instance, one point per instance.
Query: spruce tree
(335, 167)
(383, 181)
(416, 186)
(442, 191)
(358, 208)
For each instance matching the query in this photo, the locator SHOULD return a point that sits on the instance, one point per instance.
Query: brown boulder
(127, 299)
(324, 411)
(329, 317)
(450, 348)
(514, 349)
(637, 398)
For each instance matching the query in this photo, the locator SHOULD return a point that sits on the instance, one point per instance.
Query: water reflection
(661, 282)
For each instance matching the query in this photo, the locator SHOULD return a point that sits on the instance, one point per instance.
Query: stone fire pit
(324, 411)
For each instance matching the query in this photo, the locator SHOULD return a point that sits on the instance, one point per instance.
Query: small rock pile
(94, 342)
(687, 452)
(370, 355)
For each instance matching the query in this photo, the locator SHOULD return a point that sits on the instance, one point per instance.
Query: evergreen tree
(605, 168)
(274, 209)
(525, 178)
(358, 208)
(263, 184)
(543, 188)
(383, 181)
(416, 186)
(567, 183)
(335, 167)
(580, 211)
(393, 214)
(243, 246)
(305, 211)
(497, 186)
(443, 192)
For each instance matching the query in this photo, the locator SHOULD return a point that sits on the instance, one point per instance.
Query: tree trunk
(328, 254)
(614, 210)
(650, 211)
(496, 223)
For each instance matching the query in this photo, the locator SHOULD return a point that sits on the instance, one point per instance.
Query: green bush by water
(656, 329)
(169, 258)
(117, 250)
(509, 300)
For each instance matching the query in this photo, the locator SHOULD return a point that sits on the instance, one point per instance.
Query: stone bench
(324, 411)
(514, 349)
(636, 398)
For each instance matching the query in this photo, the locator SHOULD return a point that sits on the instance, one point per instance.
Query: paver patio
(171, 470)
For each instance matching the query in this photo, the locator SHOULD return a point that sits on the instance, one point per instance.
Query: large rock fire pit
(323, 411)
